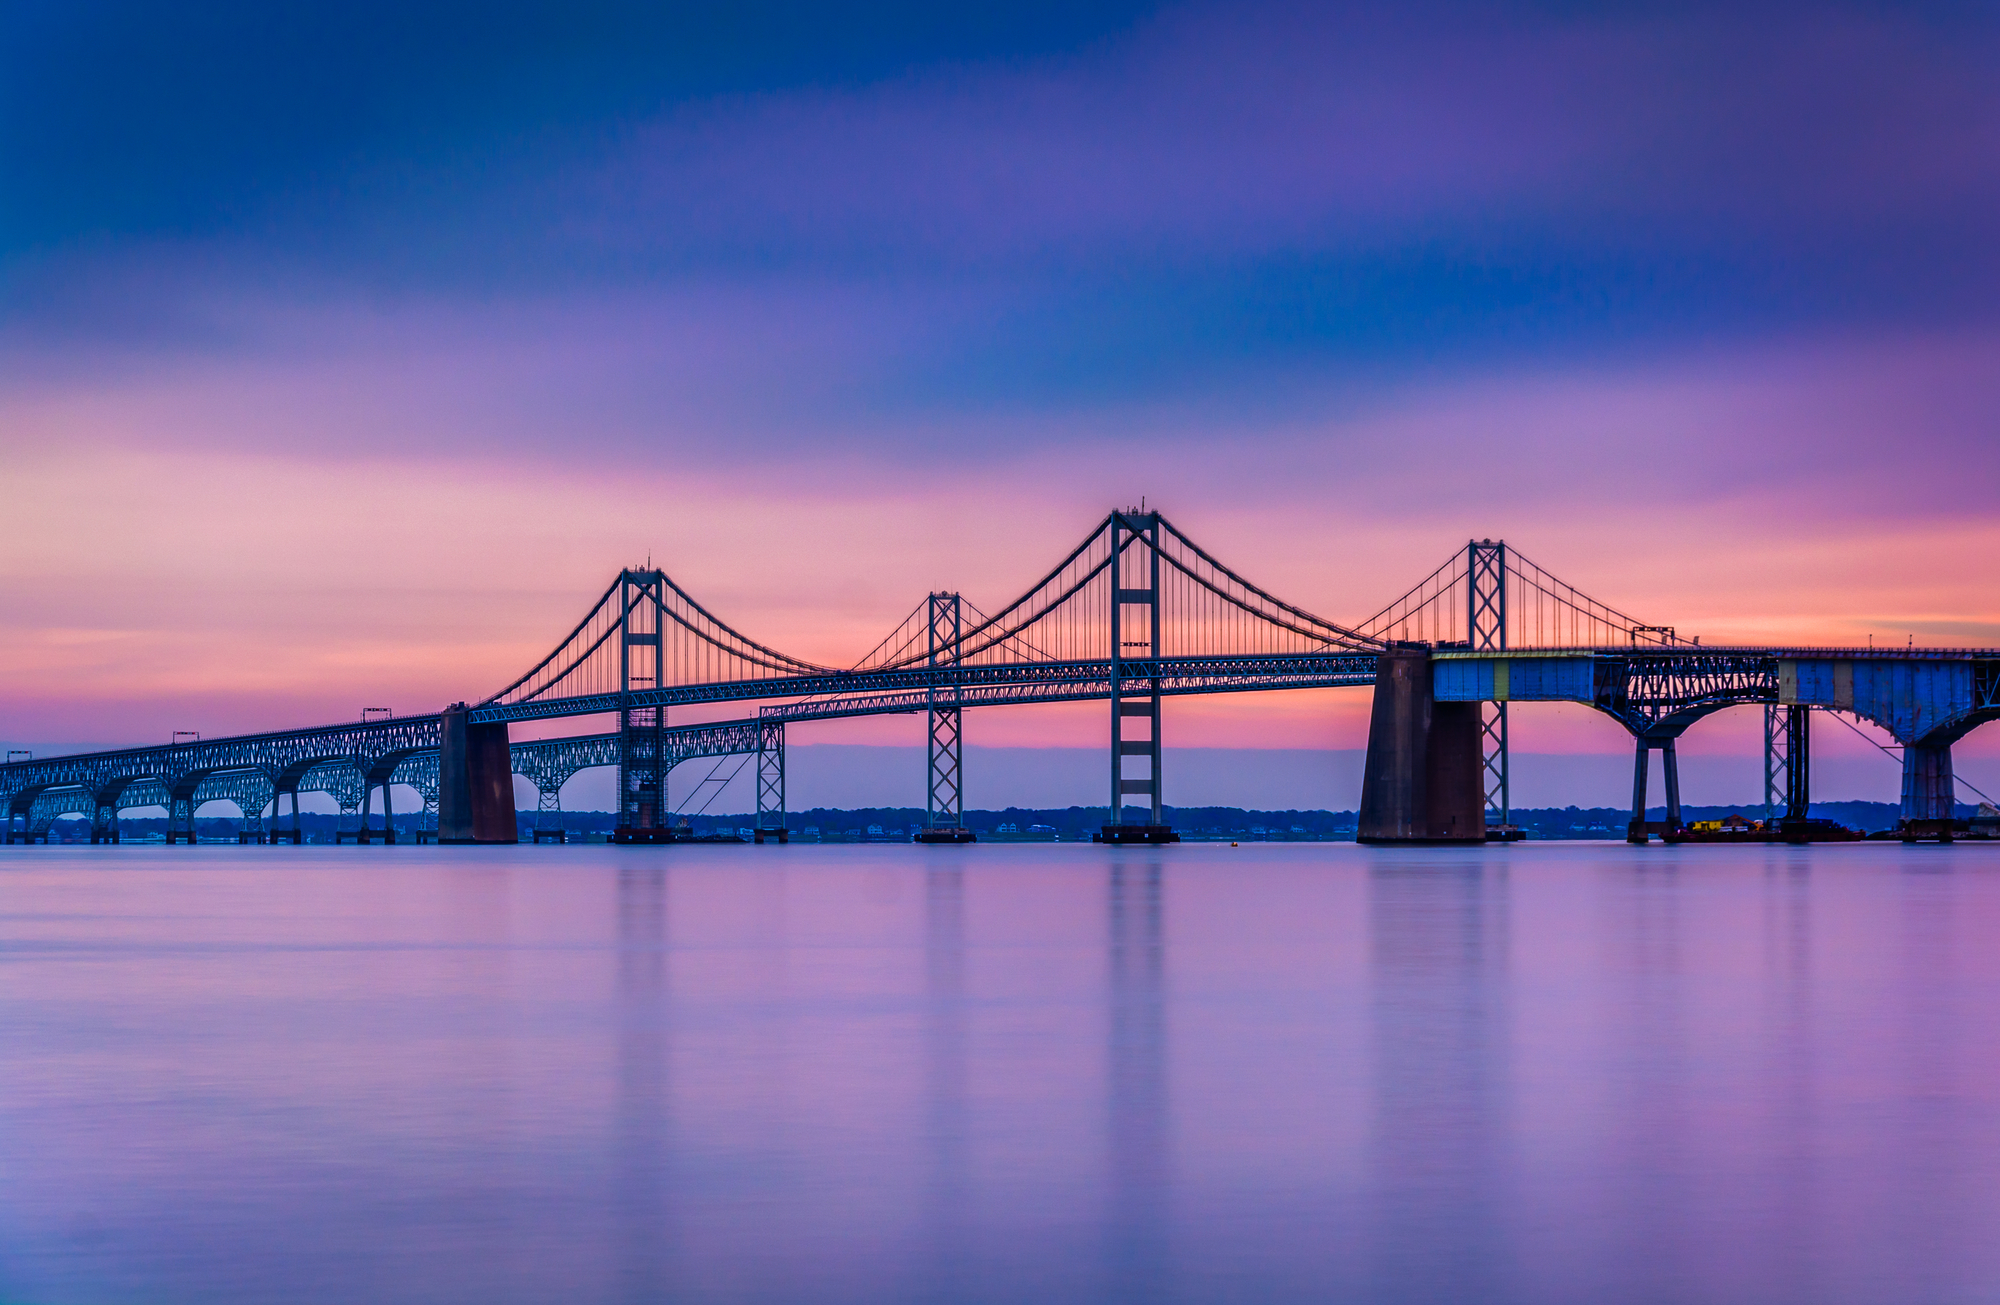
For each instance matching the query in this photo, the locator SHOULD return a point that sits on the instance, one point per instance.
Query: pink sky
(1694, 311)
(245, 574)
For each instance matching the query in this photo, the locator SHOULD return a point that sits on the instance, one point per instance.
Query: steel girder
(1081, 689)
(1654, 691)
(1238, 672)
(47, 807)
(53, 802)
(280, 756)
(1645, 689)
(549, 763)
(420, 771)
(1661, 694)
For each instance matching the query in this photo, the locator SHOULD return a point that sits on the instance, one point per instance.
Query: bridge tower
(1135, 673)
(1486, 631)
(642, 752)
(944, 790)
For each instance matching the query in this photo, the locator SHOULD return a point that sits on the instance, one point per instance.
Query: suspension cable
(1897, 752)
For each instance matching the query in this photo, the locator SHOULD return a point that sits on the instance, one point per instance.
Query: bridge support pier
(104, 821)
(944, 816)
(1423, 780)
(180, 819)
(475, 781)
(1929, 792)
(548, 781)
(1640, 829)
(1798, 770)
(1777, 760)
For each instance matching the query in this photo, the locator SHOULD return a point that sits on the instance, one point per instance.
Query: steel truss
(944, 790)
(1655, 690)
(548, 764)
(770, 779)
(182, 769)
(1777, 759)
(1486, 628)
(990, 685)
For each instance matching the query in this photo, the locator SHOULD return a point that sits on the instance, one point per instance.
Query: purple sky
(344, 354)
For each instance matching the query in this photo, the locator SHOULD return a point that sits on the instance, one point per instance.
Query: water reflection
(643, 1162)
(1794, 1116)
(1652, 1122)
(1768, 1075)
(1934, 1188)
(949, 1193)
(1139, 1151)
(1439, 1145)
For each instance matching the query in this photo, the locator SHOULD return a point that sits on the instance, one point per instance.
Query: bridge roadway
(1925, 698)
(381, 752)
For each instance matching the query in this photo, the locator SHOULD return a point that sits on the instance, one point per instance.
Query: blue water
(1542, 1073)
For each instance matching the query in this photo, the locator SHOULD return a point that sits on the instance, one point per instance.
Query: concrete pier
(475, 782)
(1421, 782)
(1928, 791)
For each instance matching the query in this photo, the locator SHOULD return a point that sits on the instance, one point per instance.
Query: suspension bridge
(1134, 614)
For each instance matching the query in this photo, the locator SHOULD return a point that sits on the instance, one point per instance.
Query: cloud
(1694, 304)
(127, 120)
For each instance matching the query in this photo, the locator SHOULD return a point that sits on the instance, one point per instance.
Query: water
(1542, 1073)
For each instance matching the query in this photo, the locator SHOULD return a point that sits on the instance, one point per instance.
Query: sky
(346, 352)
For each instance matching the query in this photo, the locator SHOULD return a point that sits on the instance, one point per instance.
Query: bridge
(1134, 614)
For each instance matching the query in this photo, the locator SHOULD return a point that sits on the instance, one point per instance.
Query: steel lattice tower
(1486, 631)
(1787, 760)
(945, 792)
(771, 779)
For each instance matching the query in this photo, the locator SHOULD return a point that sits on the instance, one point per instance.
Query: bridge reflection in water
(1135, 614)
(1283, 1072)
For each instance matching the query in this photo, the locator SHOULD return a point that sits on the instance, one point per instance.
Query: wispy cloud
(1695, 304)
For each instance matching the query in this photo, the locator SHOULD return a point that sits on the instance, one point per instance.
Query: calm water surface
(1544, 1073)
